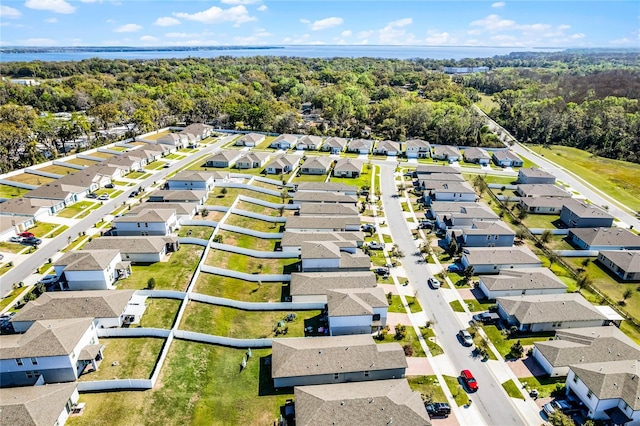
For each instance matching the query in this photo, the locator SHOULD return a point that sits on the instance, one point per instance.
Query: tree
(517, 350)
(546, 235)
(151, 283)
(223, 191)
(468, 273)
(558, 418)
(627, 294)
(401, 332)
(453, 247)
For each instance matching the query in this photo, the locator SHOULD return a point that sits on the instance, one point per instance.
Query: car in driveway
(109, 186)
(16, 239)
(562, 405)
(381, 271)
(92, 195)
(454, 268)
(434, 282)
(438, 409)
(465, 337)
(487, 318)
(374, 245)
(469, 381)
(26, 235)
(103, 197)
(49, 279)
(32, 241)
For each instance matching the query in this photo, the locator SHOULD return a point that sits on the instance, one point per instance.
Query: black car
(33, 241)
(133, 194)
(441, 409)
(487, 318)
(92, 195)
(109, 186)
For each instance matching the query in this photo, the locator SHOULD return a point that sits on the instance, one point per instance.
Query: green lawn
(377, 257)
(456, 389)
(4, 268)
(427, 334)
(544, 384)
(10, 297)
(411, 339)
(479, 305)
(246, 291)
(396, 304)
(486, 103)
(310, 178)
(75, 209)
(43, 229)
(456, 306)
(173, 274)
(239, 324)
(546, 221)
(512, 389)
(7, 246)
(138, 175)
(81, 161)
(503, 343)
(267, 211)
(8, 191)
(156, 165)
(247, 241)
(58, 170)
(30, 179)
(428, 386)
(254, 224)
(136, 358)
(218, 199)
(203, 232)
(160, 313)
(363, 180)
(174, 156)
(156, 136)
(251, 265)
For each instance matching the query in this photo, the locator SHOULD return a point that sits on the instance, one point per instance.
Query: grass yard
(456, 389)
(7, 246)
(377, 257)
(156, 136)
(11, 297)
(30, 179)
(363, 180)
(239, 324)
(265, 143)
(411, 339)
(428, 335)
(428, 386)
(456, 306)
(156, 165)
(252, 265)
(122, 183)
(8, 191)
(479, 305)
(267, 211)
(4, 268)
(618, 179)
(512, 389)
(217, 198)
(544, 384)
(173, 274)
(77, 208)
(136, 358)
(81, 161)
(309, 178)
(247, 241)
(246, 291)
(546, 221)
(203, 232)
(486, 103)
(97, 154)
(213, 215)
(138, 175)
(58, 170)
(174, 156)
(396, 304)
(503, 343)
(160, 313)
(254, 224)
(43, 229)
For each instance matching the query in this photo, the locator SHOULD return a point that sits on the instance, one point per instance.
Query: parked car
(133, 194)
(434, 282)
(381, 271)
(15, 239)
(562, 405)
(374, 245)
(109, 186)
(465, 337)
(454, 268)
(438, 409)
(368, 228)
(92, 195)
(487, 318)
(33, 241)
(103, 197)
(49, 279)
(26, 235)
(468, 380)
(166, 165)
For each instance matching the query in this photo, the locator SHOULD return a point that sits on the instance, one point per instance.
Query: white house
(283, 164)
(516, 282)
(177, 140)
(10, 226)
(250, 139)
(224, 158)
(506, 158)
(137, 249)
(356, 310)
(310, 287)
(360, 146)
(492, 260)
(543, 205)
(417, 148)
(32, 209)
(253, 160)
(446, 152)
(323, 197)
(325, 256)
(149, 221)
(199, 130)
(91, 269)
(58, 350)
(535, 175)
(327, 209)
(450, 191)
(176, 196)
(284, 142)
(604, 239)
(388, 148)
(334, 144)
(38, 405)
(191, 179)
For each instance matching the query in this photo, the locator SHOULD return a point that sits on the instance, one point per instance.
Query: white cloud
(110, 21)
(215, 15)
(58, 6)
(493, 23)
(180, 35)
(39, 42)
(9, 12)
(323, 24)
(239, 1)
(128, 28)
(498, 4)
(400, 22)
(564, 27)
(149, 39)
(89, 1)
(262, 8)
(305, 21)
(166, 21)
(51, 20)
(435, 37)
(345, 33)
(577, 36)
(393, 33)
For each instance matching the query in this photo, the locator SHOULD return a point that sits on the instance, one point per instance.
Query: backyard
(58, 170)
(8, 191)
(246, 291)
(202, 232)
(267, 211)
(247, 241)
(160, 313)
(251, 265)
(254, 224)
(30, 179)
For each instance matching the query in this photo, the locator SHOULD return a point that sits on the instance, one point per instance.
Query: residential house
(322, 223)
(335, 359)
(224, 158)
(10, 226)
(486, 234)
(624, 263)
(461, 214)
(417, 148)
(183, 211)
(292, 241)
(327, 209)
(541, 190)
(428, 169)
(284, 142)
(579, 214)
(253, 160)
(38, 405)
(382, 402)
(575, 346)
(149, 221)
(157, 148)
(477, 156)
(177, 196)
(446, 152)
(604, 239)
(109, 308)
(91, 269)
(609, 390)
(323, 197)
(543, 205)
(327, 256)
(220, 176)
(57, 350)
(32, 209)
(450, 191)
(250, 139)
(432, 181)
(506, 158)
(312, 287)
(283, 164)
(360, 146)
(348, 167)
(495, 259)
(530, 175)
(356, 310)
(191, 179)
(137, 249)
(521, 282)
(334, 187)
(176, 140)
(126, 162)
(59, 192)
(309, 143)
(199, 130)
(388, 148)
(316, 166)
(334, 144)
(549, 312)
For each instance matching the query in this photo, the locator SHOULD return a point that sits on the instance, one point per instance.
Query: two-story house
(356, 310)
(91, 269)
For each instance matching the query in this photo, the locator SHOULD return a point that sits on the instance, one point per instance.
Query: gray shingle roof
(321, 222)
(556, 202)
(292, 238)
(156, 213)
(323, 209)
(550, 308)
(285, 137)
(324, 197)
(586, 210)
(450, 186)
(311, 356)
(252, 137)
(87, 260)
(627, 260)
(326, 187)
(446, 150)
(348, 165)
(525, 278)
(312, 283)
(376, 403)
(321, 163)
(227, 155)
(310, 140)
(417, 143)
(489, 228)
(192, 175)
(177, 195)
(284, 160)
(614, 379)
(148, 244)
(357, 144)
(335, 142)
(319, 250)
(440, 177)
(500, 255)
(427, 169)
(358, 260)
(535, 172)
(506, 155)
(542, 190)
(388, 146)
(474, 153)
(355, 301)
(34, 405)
(178, 208)
(607, 236)
(448, 207)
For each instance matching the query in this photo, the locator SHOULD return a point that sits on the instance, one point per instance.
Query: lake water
(397, 52)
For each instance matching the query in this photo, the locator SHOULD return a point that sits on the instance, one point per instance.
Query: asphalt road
(490, 400)
(47, 250)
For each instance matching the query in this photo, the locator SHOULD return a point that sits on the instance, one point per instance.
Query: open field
(8, 191)
(59, 170)
(486, 103)
(30, 179)
(247, 241)
(250, 265)
(246, 291)
(173, 274)
(619, 179)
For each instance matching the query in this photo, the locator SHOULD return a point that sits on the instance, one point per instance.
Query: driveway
(418, 366)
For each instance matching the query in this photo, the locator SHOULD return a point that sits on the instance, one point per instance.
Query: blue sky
(552, 23)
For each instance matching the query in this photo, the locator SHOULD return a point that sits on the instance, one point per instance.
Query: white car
(103, 197)
(434, 282)
(15, 239)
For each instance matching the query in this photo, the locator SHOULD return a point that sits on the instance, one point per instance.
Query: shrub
(151, 283)
(401, 332)
(517, 350)
(408, 350)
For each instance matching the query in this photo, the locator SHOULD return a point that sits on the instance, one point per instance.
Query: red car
(469, 380)
(26, 235)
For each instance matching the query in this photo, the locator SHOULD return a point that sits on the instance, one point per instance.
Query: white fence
(116, 384)
(272, 181)
(240, 230)
(263, 217)
(17, 184)
(249, 187)
(244, 276)
(89, 157)
(216, 208)
(266, 203)
(43, 174)
(69, 165)
(576, 253)
(255, 253)
(133, 332)
(210, 223)
(256, 306)
(538, 231)
(194, 241)
(500, 186)
(162, 294)
(223, 341)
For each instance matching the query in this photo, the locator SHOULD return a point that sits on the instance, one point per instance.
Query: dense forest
(588, 100)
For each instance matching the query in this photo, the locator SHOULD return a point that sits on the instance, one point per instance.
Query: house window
(376, 317)
(34, 361)
(336, 376)
(19, 361)
(575, 378)
(138, 224)
(589, 394)
(366, 374)
(29, 374)
(146, 225)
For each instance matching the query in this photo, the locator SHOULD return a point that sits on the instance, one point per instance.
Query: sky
(517, 23)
